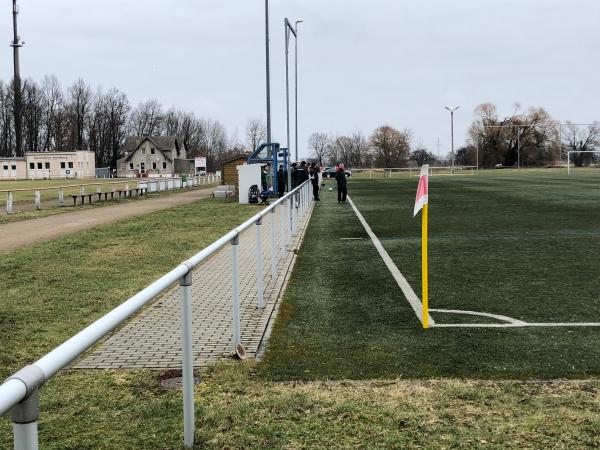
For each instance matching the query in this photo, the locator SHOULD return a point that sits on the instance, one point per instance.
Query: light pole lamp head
(452, 109)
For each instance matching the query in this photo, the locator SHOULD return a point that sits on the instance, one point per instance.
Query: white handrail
(20, 385)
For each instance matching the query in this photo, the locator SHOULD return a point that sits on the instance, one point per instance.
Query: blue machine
(271, 154)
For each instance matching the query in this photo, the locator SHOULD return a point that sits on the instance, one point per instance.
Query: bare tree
(256, 133)
(79, 104)
(581, 139)
(318, 143)
(527, 138)
(390, 146)
(146, 119)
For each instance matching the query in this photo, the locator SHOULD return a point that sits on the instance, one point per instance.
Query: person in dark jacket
(294, 176)
(302, 173)
(281, 181)
(314, 179)
(340, 177)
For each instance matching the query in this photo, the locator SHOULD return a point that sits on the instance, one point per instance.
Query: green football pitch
(514, 281)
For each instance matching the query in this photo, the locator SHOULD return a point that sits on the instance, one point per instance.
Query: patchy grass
(50, 291)
(234, 410)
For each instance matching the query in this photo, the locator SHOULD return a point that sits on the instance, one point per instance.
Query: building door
(13, 171)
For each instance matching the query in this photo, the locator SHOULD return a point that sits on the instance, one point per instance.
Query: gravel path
(27, 232)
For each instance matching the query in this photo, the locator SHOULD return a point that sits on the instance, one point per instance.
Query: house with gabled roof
(154, 156)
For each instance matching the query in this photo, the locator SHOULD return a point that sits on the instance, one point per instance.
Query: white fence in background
(152, 185)
(19, 393)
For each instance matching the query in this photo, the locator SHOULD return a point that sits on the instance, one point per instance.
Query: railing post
(61, 197)
(235, 287)
(26, 413)
(9, 203)
(283, 226)
(38, 199)
(187, 369)
(81, 190)
(291, 219)
(24, 416)
(273, 249)
(259, 265)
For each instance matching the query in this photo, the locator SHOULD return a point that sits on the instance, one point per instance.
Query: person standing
(314, 179)
(302, 173)
(281, 181)
(264, 178)
(340, 177)
(294, 176)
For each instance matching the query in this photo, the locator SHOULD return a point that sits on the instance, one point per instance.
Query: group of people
(303, 172)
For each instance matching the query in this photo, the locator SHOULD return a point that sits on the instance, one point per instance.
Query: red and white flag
(422, 190)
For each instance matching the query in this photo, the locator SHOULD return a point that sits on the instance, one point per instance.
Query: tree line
(528, 139)
(385, 147)
(81, 118)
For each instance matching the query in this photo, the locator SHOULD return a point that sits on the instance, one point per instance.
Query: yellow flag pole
(424, 265)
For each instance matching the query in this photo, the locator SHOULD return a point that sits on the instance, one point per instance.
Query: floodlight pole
(16, 44)
(288, 28)
(268, 71)
(452, 109)
(296, 83)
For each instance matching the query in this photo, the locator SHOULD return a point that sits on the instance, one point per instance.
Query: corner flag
(422, 190)
(422, 203)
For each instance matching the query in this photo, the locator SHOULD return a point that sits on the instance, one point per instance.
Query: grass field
(523, 245)
(341, 318)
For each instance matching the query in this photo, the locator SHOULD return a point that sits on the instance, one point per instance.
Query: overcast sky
(361, 63)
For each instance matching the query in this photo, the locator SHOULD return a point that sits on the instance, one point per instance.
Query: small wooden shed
(229, 173)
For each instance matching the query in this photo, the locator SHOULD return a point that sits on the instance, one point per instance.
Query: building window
(143, 151)
(152, 150)
(63, 164)
(48, 165)
(142, 166)
(164, 165)
(31, 166)
(5, 167)
(39, 165)
(70, 164)
(130, 166)
(13, 167)
(153, 165)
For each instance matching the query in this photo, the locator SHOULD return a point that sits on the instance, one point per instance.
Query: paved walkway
(28, 232)
(153, 338)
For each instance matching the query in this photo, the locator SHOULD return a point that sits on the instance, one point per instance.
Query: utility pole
(438, 145)
(16, 43)
(268, 72)
(452, 109)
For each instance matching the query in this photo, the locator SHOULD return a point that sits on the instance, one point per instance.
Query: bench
(106, 194)
(127, 192)
(82, 196)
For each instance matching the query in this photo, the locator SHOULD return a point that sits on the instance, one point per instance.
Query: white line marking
(512, 323)
(475, 313)
(406, 289)
(516, 325)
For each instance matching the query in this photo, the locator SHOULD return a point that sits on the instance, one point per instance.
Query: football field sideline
(416, 303)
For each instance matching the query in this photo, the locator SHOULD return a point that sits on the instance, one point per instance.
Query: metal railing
(19, 393)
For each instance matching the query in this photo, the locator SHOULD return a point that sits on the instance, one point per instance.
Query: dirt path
(27, 232)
